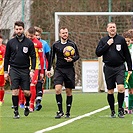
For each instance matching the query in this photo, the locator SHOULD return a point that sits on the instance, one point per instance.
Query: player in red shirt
(2, 80)
(39, 65)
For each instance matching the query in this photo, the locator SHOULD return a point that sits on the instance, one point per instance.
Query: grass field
(83, 103)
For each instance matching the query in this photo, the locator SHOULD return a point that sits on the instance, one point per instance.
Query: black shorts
(66, 76)
(20, 78)
(114, 75)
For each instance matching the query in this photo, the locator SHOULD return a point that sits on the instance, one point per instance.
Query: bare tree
(3, 4)
(11, 11)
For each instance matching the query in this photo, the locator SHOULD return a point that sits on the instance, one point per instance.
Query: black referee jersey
(116, 54)
(18, 54)
(57, 49)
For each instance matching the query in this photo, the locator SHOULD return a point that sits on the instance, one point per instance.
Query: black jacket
(57, 49)
(18, 54)
(115, 54)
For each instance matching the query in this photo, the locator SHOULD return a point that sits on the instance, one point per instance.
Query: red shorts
(35, 77)
(2, 81)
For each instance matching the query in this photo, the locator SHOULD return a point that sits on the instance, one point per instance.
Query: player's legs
(15, 100)
(2, 92)
(120, 74)
(69, 100)
(33, 90)
(58, 91)
(58, 82)
(25, 85)
(115, 75)
(69, 82)
(21, 98)
(27, 95)
(120, 98)
(39, 93)
(111, 101)
(15, 78)
(126, 86)
(130, 101)
(110, 82)
(126, 100)
(2, 83)
(130, 98)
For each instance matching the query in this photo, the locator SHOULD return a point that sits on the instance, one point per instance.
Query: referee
(64, 71)
(19, 50)
(115, 53)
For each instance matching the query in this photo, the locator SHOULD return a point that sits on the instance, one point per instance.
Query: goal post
(86, 29)
(58, 14)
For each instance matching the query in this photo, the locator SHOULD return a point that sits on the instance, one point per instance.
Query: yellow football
(68, 51)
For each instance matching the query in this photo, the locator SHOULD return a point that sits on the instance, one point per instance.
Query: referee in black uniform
(64, 71)
(115, 52)
(19, 51)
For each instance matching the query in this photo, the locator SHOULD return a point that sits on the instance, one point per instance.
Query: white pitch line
(72, 120)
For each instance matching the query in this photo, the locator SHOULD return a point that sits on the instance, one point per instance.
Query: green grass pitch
(82, 103)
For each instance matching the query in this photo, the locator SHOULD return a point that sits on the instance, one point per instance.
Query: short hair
(127, 34)
(31, 30)
(19, 23)
(111, 23)
(131, 32)
(38, 29)
(63, 27)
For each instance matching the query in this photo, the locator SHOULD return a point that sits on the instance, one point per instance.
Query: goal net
(86, 28)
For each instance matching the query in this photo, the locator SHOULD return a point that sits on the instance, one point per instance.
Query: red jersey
(2, 54)
(39, 54)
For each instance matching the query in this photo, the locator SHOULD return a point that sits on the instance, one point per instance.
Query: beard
(64, 38)
(19, 34)
(20, 37)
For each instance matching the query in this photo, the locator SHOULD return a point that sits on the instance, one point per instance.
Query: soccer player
(129, 82)
(127, 37)
(64, 71)
(115, 53)
(40, 83)
(39, 63)
(2, 80)
(21, 99)
(19, 51)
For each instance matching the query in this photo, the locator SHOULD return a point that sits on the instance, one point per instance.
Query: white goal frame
(57, 21)
(58, 14)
